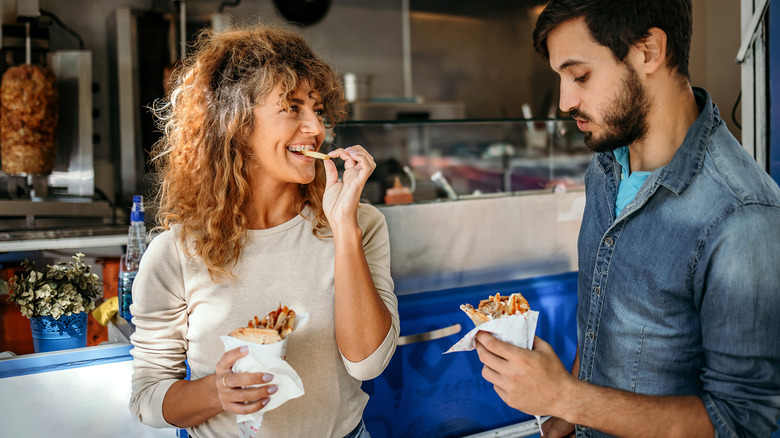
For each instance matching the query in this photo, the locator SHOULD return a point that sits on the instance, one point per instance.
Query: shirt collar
(689, 158)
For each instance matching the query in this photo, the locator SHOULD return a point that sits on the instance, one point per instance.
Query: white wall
(716, 38)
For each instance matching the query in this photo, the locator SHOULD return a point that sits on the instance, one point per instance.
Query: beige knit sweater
(179, 314)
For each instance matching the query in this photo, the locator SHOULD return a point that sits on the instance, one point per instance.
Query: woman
(250, 223)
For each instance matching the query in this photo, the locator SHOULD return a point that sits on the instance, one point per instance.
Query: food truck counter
(443, 254)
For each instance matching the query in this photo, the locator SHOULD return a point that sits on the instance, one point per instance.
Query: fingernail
(272, 389)
(265, 401)
(268, 377)
(243, 349)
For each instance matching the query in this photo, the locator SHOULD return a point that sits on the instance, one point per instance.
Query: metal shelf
(64, 243)
(63, 238)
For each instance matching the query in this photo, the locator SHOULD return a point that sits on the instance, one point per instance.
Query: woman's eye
(294, 108)
(320, 112)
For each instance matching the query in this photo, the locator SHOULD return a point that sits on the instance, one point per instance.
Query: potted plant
(57, 299)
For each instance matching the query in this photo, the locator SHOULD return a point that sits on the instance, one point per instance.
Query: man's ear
(650, 52)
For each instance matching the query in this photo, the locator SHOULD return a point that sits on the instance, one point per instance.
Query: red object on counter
(14, 327)
(398, 194)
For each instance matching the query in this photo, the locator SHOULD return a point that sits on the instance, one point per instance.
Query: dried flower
(58, 290)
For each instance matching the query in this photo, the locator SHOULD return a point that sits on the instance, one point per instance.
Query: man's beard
(625, 120)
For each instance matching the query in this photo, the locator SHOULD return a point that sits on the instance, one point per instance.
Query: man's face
(603, 95)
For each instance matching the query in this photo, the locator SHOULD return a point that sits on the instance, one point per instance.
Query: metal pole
(407, 48)
(183, 28)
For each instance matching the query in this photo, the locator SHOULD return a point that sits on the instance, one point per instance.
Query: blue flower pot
(51, 334)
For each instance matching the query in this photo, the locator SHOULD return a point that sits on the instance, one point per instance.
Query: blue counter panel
(64, 359)
(426, 393)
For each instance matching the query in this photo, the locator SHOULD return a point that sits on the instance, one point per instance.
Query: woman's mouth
(298, 148)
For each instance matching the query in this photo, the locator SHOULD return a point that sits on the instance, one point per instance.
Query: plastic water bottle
(128, 263)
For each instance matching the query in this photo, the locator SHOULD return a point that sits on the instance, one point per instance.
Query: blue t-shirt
(630, 182)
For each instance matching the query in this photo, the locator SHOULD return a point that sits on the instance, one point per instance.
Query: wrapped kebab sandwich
(267, 341)
(508, 318)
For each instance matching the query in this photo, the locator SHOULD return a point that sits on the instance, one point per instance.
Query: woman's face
(279, 133)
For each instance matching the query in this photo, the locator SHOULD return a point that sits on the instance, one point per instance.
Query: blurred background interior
(447, 95)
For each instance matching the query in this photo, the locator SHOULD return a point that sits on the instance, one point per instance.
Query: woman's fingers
(361, 155)
(331, 173)
(230, 357)
(354, 156)
(241, 393)
(241, 380)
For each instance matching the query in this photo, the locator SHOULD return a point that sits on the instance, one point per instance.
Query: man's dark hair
(618, 24)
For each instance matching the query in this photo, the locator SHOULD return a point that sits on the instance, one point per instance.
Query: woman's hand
(341, 197)
(239, 393)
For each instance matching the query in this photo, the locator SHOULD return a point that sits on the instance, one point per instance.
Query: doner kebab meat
(272, 328)
(28, 120)
(496, 306)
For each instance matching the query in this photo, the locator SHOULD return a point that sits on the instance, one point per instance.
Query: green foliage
(61, 289)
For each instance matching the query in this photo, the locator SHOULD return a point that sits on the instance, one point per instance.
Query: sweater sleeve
(160, 318)
(376, 245)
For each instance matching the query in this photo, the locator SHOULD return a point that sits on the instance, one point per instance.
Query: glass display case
(459, 159)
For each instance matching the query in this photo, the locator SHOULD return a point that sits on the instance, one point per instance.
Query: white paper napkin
(267, 358)
(518, 330)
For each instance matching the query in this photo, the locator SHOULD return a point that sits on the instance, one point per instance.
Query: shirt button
(591, 336)
(608, 241)
(598, 291)
(580, 427)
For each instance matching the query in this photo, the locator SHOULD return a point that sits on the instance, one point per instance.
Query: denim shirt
(680, 294)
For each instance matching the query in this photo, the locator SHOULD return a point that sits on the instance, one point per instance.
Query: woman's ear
(651, 51)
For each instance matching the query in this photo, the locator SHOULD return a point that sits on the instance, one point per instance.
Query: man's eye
(582, 78)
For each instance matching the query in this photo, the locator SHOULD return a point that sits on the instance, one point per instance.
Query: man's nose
(568, 99)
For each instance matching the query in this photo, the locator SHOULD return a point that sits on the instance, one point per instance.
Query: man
(678, 312)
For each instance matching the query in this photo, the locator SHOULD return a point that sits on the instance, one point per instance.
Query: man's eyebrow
(570, 63)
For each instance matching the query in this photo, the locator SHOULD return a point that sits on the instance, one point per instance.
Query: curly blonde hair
(204, 159)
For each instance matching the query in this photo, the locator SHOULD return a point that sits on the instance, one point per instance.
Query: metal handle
(440, 180)
(429, 336)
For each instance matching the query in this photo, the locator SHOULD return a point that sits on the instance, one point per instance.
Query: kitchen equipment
(357, 88)
(441, 181)
(62, 197)
(403, 109)
(303, 12)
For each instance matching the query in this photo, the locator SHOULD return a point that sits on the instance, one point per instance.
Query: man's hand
(532, 381)
(557, 428)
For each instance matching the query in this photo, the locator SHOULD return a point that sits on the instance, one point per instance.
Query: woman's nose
(311, 123)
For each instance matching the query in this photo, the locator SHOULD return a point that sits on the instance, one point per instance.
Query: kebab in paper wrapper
(267, 342)
(508, 318)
